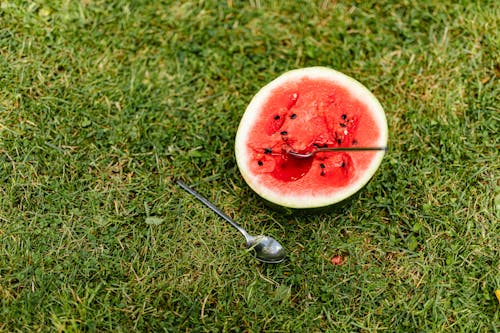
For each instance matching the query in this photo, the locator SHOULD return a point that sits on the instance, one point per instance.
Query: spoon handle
(214, 208)
(350, 148)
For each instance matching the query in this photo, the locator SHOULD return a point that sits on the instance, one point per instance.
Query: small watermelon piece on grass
(301, 110)
(337, 260)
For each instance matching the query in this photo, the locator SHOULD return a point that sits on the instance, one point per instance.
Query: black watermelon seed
(276, 117)
(284, 133)
(354, 142)
(322, 173)
(342, 164)
(268, 150)
(342, 124)
(322, 166)
(260, 163)
(339, 141)
(325, 145)
(344, 116)
(293, 116)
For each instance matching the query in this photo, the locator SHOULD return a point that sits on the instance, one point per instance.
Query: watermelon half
(300, 110)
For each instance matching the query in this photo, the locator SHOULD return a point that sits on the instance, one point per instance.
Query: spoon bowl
(266, 248)
(323, 149)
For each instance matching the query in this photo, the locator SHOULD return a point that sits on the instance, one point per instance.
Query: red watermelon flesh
(316, 109)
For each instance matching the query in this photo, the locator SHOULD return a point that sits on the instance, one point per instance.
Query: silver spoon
(323, 149)
(266, 248)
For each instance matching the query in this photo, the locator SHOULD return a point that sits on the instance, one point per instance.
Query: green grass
(104, 103)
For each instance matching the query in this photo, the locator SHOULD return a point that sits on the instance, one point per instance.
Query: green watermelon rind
(308, 202)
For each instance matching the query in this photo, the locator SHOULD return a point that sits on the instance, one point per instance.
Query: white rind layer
(308, 200)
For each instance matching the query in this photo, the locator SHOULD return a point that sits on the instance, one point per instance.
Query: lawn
(103, 104)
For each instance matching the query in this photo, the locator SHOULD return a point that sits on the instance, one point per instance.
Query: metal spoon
(266, 248)
(323, 149)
